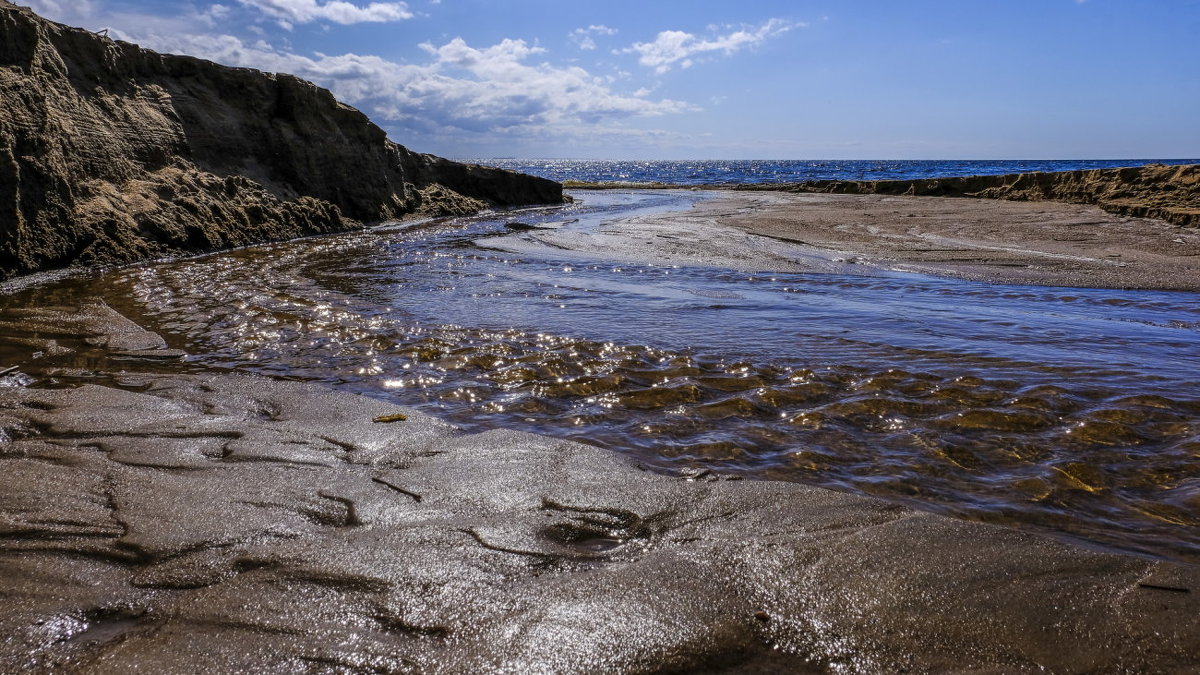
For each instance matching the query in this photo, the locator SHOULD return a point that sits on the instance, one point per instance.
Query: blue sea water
(710, 172)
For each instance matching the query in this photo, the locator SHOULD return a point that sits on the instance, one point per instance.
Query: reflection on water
(1071, 409)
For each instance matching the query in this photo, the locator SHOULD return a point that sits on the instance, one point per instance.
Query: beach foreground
(172, 518)
(247, 523)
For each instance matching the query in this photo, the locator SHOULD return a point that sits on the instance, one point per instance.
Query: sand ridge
(1041, 243)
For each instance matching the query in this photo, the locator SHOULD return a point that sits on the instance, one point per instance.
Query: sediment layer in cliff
(1170, 193)
(111, 153)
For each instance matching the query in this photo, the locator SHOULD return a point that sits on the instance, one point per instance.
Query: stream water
(1075, 410)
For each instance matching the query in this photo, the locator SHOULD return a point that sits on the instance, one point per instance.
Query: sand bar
(1013, 242)
(1042, 243)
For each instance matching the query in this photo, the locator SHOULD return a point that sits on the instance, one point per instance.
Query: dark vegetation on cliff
(111, 153)
(1170, 193)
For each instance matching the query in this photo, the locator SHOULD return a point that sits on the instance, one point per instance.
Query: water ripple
(1070, 409)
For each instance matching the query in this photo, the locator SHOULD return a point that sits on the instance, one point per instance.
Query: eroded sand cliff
(111, 153)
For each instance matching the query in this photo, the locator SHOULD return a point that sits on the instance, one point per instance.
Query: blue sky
(951, 79)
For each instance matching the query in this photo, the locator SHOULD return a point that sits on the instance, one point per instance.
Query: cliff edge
(111, 153)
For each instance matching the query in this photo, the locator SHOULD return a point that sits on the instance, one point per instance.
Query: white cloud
(583, 36)
(217, 12)
(95, 15)
(459, 96)
(71, 12)
(674, 47)
(493, 89)
(287, 13)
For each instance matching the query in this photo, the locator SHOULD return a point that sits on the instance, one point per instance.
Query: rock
(111, 153)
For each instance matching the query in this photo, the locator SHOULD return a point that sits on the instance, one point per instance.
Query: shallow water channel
(1076, 410)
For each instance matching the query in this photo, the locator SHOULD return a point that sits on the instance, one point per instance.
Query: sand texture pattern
(165, 522)
(111, 153)
(1041, 243)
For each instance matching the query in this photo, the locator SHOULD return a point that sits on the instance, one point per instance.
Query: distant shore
(1043, 243)
(1133, 228)
(1165, 192)
(1039, 243)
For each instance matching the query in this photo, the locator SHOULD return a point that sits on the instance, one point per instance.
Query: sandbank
(989, 240)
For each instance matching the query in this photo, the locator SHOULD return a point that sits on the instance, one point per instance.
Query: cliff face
(111, 153)
(1170, 193)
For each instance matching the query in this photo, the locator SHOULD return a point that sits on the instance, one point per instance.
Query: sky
(767, 79)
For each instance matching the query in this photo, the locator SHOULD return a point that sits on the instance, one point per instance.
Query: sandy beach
(257, 524)
(1012, 242)
(226, 447)
(252, 523)
(1042, 243)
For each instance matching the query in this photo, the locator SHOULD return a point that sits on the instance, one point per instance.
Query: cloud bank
(288, 13)
(583, 36)
(453, 92)
(499, 88)
(677, 48)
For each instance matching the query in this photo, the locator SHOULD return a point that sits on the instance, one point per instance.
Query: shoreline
(175, 519)
(1035, 243)
(988, 240)
(1167, 192)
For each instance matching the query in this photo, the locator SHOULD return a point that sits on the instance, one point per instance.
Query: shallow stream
(1076, 410)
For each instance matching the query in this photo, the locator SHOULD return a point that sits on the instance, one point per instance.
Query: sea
(1069, 410)
(715, 172)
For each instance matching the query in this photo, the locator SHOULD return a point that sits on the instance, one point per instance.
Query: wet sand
(1037, 243)
(1040, 243)
(691, 232)
(242, 523)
